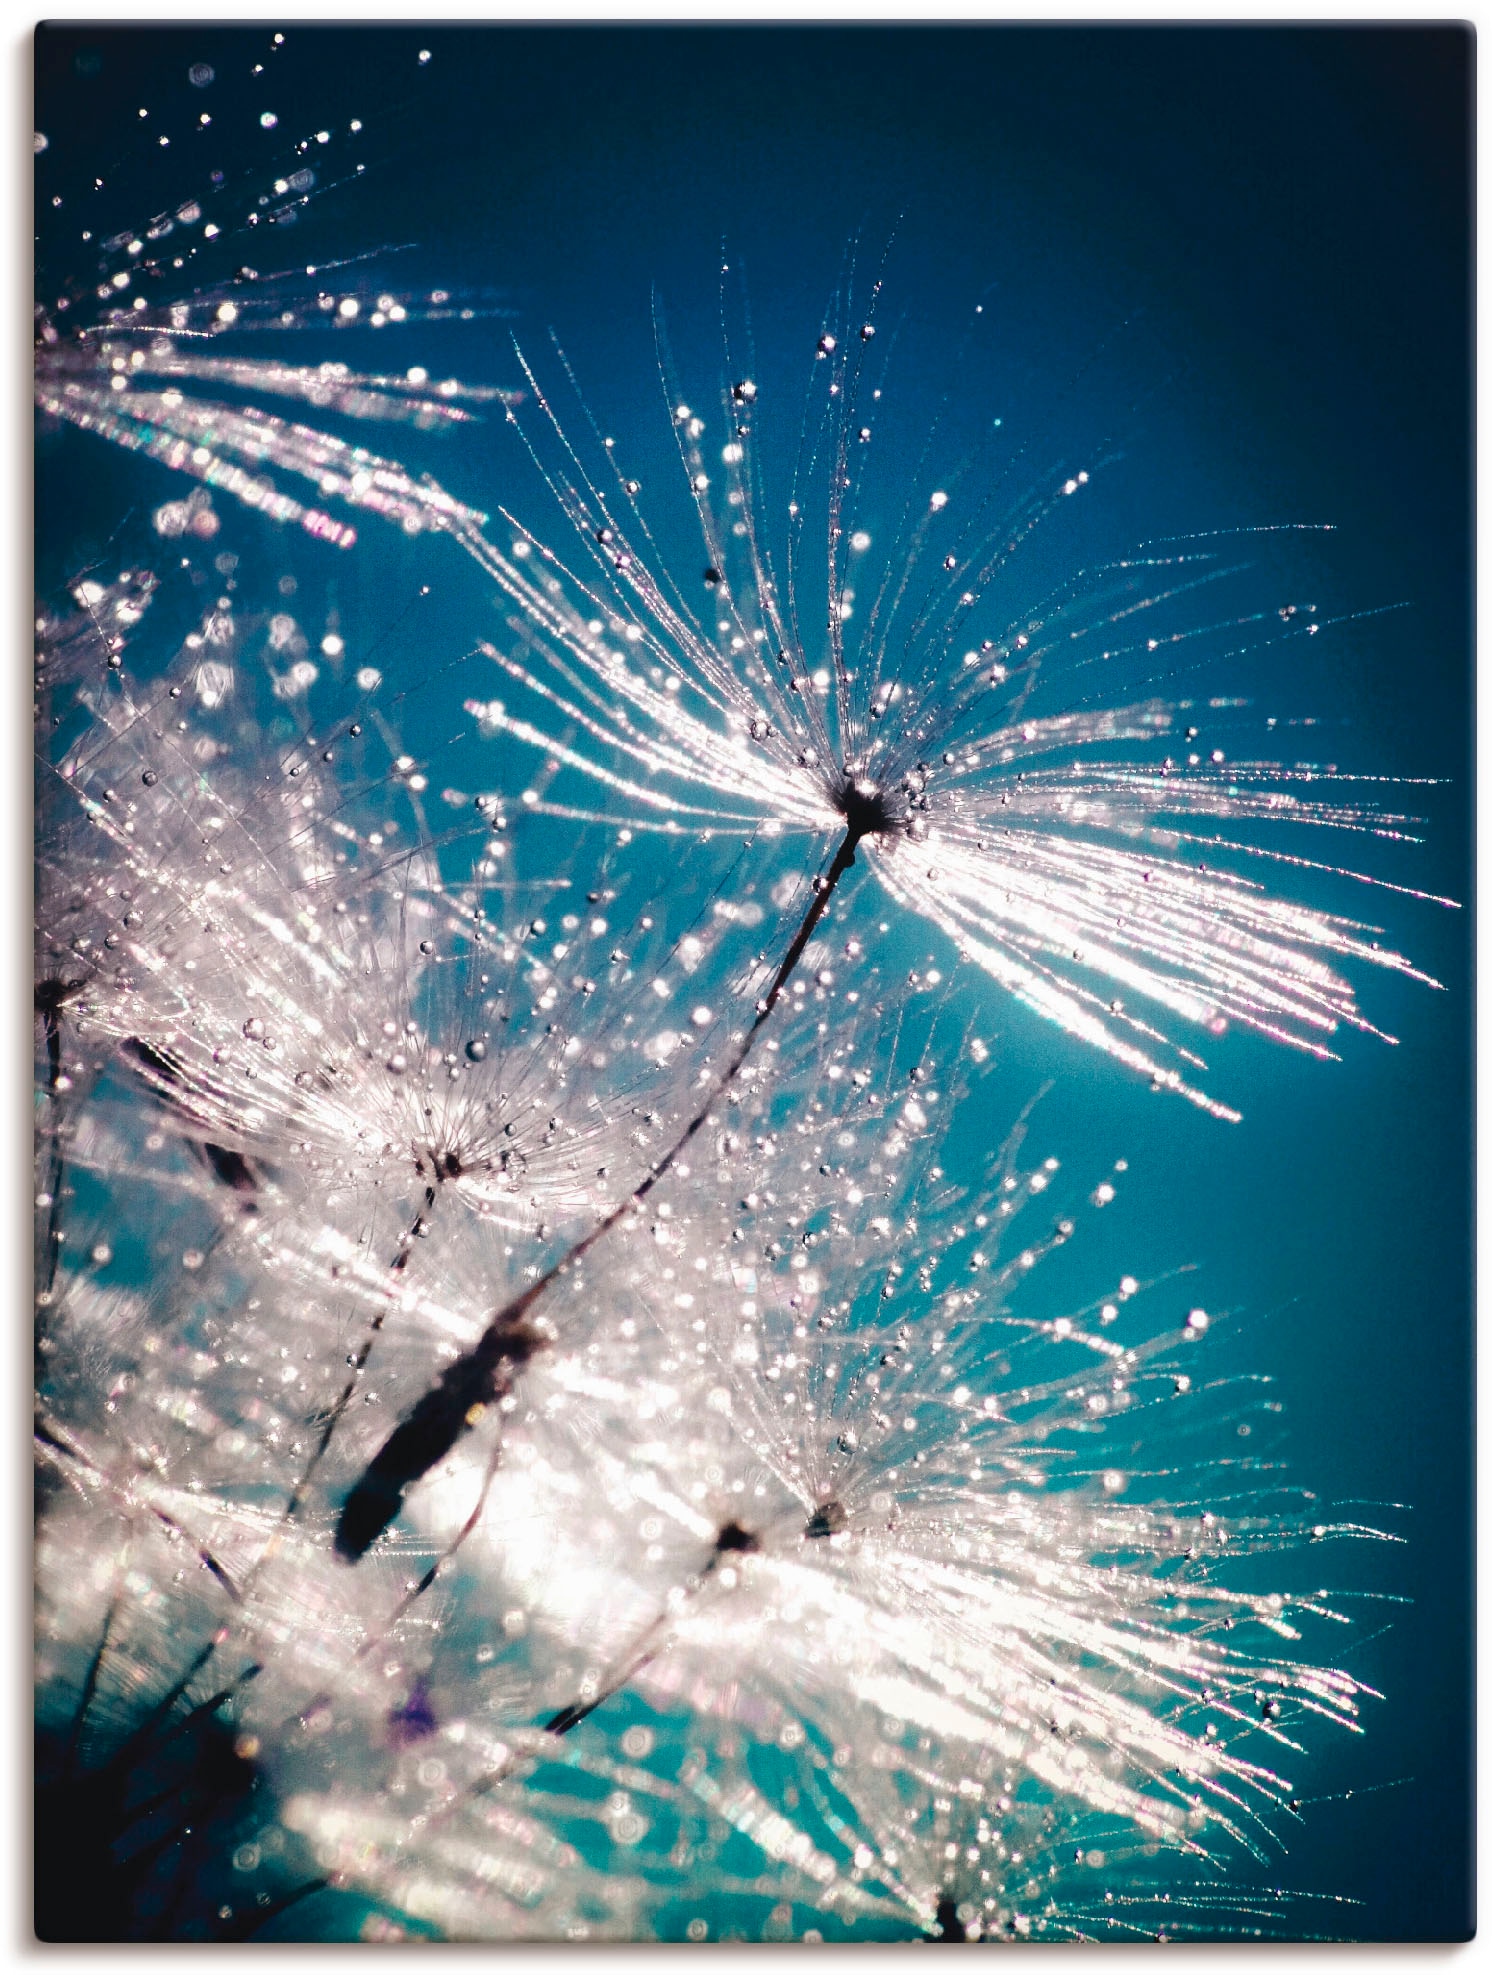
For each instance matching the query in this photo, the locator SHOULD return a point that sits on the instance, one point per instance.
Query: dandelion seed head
(832, 1531)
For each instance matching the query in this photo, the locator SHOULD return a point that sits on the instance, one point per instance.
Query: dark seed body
(429, 1433)
(948, 1927)
(826, 1521)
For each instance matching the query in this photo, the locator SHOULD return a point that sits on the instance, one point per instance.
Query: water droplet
(476, 1050)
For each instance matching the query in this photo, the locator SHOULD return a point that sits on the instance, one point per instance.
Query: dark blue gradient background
(1271, 227)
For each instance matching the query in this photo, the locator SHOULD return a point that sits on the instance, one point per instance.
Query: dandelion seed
(994, 822)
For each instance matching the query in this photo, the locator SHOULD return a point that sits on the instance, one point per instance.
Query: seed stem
(489, 1368)
(731, 1538)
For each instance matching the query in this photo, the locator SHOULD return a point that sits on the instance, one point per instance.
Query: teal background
(1264, 233)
